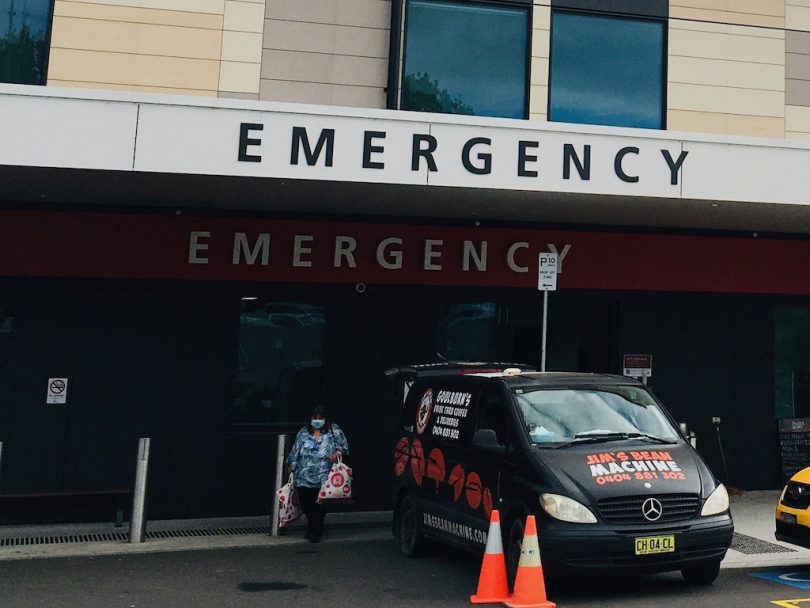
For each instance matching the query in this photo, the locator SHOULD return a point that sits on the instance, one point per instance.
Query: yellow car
(793, 510)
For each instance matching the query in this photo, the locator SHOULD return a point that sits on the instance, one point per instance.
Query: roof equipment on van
(460, 367)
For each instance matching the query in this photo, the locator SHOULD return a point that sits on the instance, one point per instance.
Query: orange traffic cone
(492, 585)
(530, 589)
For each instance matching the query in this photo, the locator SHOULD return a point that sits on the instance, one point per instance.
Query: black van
(612, 481)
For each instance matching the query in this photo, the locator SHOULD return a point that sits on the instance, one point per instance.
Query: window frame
(664, 21)
(528, 5)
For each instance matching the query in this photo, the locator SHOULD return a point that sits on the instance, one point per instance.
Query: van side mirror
(487, 441)
(690, 436)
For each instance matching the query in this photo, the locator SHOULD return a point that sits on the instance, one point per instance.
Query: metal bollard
(137, 523)
(280, 446)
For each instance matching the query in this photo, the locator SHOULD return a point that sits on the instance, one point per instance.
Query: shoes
(314, 539)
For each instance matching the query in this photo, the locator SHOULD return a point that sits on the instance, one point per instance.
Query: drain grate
(62, 540)
(156, 534)
(124, 536)
(754, 546)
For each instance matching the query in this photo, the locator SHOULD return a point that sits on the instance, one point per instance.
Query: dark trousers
(315, 513)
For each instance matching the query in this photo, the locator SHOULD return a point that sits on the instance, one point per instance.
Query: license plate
(645, 545)
(788, 518)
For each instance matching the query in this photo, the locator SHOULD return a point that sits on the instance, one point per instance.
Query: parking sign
(547, 272)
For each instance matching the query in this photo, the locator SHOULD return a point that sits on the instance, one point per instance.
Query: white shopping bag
(338, 484)
(288, 507)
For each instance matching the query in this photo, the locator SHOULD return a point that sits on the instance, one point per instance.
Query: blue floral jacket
(309, 457)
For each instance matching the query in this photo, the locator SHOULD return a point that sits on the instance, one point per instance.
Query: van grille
(797, 496)
(627, 509)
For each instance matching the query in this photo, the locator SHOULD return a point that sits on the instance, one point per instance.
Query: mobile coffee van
(611, 480)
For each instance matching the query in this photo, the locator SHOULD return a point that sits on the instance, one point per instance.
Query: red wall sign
(66, 244)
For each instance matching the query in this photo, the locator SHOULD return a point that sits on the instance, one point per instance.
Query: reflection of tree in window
(23, 25)
(422, 93)
(465, 58)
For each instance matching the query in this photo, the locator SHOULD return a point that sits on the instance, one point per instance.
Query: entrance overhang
(69, 147)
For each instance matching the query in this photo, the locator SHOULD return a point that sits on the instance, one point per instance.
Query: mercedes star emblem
(652, 509)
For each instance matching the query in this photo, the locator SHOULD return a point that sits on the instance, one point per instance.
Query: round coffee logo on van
(423, 413)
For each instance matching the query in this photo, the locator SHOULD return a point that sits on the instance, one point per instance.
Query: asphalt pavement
(754, 543)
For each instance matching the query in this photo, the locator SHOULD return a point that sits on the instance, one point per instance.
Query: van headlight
(566, 509)
(717, 502)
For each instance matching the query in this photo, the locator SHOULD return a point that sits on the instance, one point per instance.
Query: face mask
(317, 424)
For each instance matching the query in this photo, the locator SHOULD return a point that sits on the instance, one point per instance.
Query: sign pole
(546, 281)
(545, 331)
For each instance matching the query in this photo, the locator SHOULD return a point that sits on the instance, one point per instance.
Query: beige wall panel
(797, 3)
(758, 20)
(361, 13)
(797, 18)
(687, 43)
(216, 7)
(322, 38)
(541, 47)
(727, 124)
(538, 100)
(796, 135)
(540, 68)
(137, 15)
(239, 77)
(724, 100)
(726, 73)
(723, 28)
(136, 38)
(757, 7)
(797, 118)
(244, 16)
(242, 46)
(309, 92)
(541, 16)
(128, 87)
(325, 69)
(138, 70)
(541, 43)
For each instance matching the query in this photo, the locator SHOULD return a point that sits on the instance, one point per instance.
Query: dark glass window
(24, 28)
(463, 58)
(791, 374)
(279, 362)
(6, 313)
(607, 71)
(467, 332)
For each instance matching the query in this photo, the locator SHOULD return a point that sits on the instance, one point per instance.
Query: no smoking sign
(57, 390)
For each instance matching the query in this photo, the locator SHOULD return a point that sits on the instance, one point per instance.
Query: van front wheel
(514, 543)
(411, 540)
(703, 574)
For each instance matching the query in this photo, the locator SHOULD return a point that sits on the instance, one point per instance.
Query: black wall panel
(157, 360)
(35, 450)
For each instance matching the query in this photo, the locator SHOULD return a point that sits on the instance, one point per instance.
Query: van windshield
(565, 416)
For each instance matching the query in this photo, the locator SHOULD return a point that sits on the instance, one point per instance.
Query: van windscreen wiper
(590, 437)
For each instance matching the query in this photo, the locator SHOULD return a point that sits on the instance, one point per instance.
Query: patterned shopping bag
(338, 484)
(288, 507)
